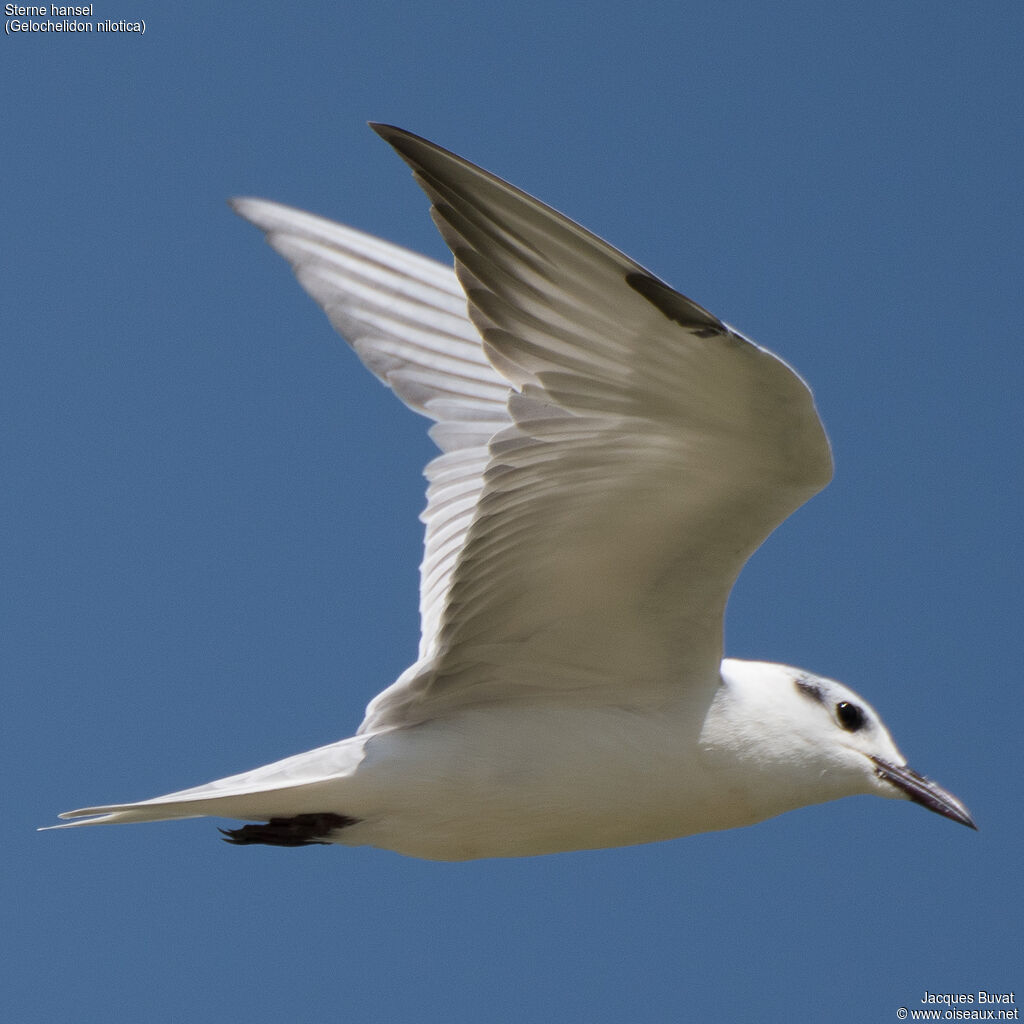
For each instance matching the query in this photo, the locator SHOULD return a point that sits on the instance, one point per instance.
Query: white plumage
(611, 455)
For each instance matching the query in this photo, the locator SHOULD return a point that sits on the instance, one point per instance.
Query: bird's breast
(516, 782)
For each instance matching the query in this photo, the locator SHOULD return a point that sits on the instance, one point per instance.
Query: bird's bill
(923, 791)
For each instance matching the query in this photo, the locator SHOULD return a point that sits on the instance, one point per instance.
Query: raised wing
(651, 451)
(405, 316)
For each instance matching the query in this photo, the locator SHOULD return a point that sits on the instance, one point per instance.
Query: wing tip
(387, 131)
(250, 209)
(238, 204)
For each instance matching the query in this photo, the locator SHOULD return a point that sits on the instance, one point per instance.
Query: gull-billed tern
(611, 455)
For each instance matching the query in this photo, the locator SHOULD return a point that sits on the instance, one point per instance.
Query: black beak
(923, 791)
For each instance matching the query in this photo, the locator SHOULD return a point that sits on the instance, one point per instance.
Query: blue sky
(208, 521)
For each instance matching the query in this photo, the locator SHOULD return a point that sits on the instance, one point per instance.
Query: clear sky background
(208, 534)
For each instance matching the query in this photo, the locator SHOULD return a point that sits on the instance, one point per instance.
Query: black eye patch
(809, 689)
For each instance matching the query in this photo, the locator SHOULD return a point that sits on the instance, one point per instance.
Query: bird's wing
(405, 316)
(651, 450)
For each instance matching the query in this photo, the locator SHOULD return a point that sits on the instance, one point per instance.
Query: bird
(610, 456)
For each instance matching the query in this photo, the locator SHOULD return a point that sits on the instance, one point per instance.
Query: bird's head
(815, 737)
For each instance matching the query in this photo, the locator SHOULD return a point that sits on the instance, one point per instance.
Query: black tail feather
(302, 830)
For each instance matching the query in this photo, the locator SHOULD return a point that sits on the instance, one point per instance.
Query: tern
(611, 455)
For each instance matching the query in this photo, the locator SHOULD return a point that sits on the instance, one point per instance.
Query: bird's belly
(536, 781)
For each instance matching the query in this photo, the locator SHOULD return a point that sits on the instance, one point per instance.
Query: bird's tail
(300, 785)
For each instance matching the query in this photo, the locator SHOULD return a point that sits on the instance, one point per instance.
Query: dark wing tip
(384, 130)
(405, 142)
(676, 306)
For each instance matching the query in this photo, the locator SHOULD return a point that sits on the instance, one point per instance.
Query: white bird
(612, 454)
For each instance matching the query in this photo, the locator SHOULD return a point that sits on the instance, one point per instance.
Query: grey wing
(405, 316)
(651, 450)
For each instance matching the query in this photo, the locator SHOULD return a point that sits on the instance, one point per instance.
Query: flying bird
(611, 454)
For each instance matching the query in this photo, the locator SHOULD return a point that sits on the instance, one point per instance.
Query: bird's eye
(850, 716)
